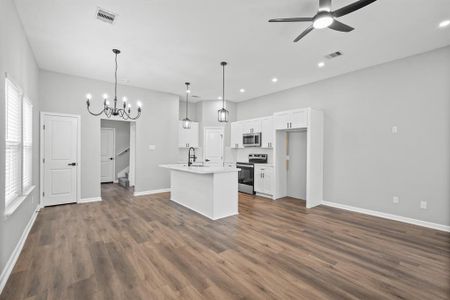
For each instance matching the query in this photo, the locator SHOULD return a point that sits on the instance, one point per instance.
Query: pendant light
(125, 111)
(223, 113)
(187, 121)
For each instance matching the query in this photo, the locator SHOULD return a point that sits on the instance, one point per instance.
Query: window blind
(13, 141)
(27, 168)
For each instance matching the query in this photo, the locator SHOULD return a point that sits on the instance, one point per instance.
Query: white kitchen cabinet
(236, 135)
(251, 126)
(263, 179)
(188, 137)
(267, 132)
(291, 119)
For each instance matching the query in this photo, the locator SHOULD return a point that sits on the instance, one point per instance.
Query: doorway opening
(117, 159)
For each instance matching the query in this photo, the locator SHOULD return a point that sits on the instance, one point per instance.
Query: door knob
(72, 164)
(111, 158)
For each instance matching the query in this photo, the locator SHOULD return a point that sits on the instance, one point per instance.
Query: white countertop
(200, 169)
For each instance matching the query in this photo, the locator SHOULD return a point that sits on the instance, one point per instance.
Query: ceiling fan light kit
(124, 112)
(326, 18)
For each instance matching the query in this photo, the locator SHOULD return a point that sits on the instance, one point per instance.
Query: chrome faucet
(193, 157)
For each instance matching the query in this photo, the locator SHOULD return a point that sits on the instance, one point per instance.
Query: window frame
(11, 205)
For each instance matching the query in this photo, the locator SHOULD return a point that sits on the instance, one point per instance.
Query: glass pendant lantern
(186, 120)
(223, 114)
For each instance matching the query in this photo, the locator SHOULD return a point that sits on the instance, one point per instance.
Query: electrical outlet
(394, 129)
(151, 147)
(396, 199)
(423, 204)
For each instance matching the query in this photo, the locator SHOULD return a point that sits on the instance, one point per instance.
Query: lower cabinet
(263, 179)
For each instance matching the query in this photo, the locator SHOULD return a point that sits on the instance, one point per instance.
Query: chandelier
(125, 111)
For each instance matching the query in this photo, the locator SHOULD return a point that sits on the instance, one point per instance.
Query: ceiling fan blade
(351, 7)
(324, 5)
(308, 30)
(299, 19)
(336, 25)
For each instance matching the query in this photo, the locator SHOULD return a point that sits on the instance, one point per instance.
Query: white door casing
(213, 145)
(108, 168)
(60, 159)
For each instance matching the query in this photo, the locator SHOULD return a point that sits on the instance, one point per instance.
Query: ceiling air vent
(106, 16)
(333, 55)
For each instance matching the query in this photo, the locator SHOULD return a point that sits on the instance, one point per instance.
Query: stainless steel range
(246, 174)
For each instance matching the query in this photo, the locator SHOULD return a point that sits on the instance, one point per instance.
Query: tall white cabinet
(188, 137)
(306, 120)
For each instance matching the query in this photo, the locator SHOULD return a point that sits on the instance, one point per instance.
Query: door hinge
(43, 127)
(43, 160)
(43, 194)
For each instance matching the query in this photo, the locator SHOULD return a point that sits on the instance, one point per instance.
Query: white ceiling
(168, 42)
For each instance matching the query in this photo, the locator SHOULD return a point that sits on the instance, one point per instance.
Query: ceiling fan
(327, 18)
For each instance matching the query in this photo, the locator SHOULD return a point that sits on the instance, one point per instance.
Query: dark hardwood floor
(150, 248)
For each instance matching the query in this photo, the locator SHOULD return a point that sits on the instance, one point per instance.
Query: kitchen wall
(122, 142)
(365, 164)
(17, 60)
(156, 126)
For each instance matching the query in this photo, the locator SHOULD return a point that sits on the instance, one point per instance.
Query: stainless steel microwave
(251, 139)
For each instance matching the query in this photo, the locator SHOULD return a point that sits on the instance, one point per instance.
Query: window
(27, 148)
(18, 143)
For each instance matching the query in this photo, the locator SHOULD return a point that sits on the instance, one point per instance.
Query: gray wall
(296, 173)
(365, 165)
(122, 142)
(16, 58)
(157, 126)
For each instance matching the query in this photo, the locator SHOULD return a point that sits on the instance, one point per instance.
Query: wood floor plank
(148, 247)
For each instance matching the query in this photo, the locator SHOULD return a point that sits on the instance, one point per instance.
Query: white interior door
(60, 159)
(107, 155)
(213, 145)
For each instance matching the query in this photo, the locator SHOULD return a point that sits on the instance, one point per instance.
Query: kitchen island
(209, 190)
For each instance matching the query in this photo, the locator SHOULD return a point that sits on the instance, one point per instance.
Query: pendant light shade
(223, 114)
(186, 120)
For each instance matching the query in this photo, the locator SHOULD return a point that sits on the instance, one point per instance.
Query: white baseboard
(89, 200)
(388, 216)
(6, 272)
(143, 193)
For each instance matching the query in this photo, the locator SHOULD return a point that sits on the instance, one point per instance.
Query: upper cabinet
(291, 119)
(236, 135)
(251, 126)
(267, 132)
(188, 137)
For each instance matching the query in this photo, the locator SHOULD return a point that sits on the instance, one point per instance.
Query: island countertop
(200, 169)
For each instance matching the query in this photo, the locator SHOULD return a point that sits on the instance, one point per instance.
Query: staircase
(124, 181)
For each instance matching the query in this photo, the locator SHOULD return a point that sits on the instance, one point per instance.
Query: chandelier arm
(137, 116)
(95, 114)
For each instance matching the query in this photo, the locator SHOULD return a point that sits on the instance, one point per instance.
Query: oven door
(246, 178)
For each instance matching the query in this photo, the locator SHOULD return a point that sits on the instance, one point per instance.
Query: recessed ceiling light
(242, 90)
(274, 79)
(444, 23)
(220, 97)
(321, 64)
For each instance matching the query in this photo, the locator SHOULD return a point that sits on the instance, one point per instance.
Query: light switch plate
(151, 147)
(394, 129)
(423, 204)
(395, 199)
